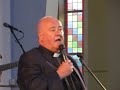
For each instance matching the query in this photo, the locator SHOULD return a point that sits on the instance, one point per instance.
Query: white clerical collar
(56, 54)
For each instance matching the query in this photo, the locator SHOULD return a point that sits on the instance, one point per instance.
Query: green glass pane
(79, 50)
(79, 24)
(75, 50)
(69, 44)
(74, 44)
(75, 18)
(79, 30)
(74, 24)
(69, 37)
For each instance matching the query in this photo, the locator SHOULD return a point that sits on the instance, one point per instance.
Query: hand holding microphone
(65, 69)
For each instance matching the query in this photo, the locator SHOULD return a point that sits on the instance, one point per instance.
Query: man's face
(52, 35)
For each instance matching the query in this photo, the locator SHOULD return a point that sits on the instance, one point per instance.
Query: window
(74, 33)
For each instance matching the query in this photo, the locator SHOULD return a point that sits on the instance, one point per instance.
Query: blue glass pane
(79, 63)
(76, 58)
(79, 37)
(70, 25)
(69, 50)
(75, 31)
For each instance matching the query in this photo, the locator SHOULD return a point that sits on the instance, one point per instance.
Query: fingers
(69, 62)
(65, 69)
(69, 65)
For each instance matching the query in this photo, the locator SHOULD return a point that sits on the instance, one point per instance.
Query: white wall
(52, 8)
(5, 42)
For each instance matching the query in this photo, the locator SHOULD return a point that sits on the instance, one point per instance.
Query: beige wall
(103, 43)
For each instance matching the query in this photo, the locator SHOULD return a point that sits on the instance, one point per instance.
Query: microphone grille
(5, 24)
(61, 47)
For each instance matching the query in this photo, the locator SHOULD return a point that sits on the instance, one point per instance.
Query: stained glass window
(75, 28)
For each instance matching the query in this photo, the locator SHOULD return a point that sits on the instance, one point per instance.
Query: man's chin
(57, 46)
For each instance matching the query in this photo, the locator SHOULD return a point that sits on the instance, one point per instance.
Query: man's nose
(58, 32)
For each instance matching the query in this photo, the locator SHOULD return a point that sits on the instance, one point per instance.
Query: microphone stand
(80, 55)
(11, 29)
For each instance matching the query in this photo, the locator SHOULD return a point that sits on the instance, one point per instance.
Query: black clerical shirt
(37, 71)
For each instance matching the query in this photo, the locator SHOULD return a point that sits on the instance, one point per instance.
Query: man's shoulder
(34, 52)
(32, 55)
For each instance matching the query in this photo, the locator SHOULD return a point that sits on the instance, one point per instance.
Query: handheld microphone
(63, 51)
(11, 27)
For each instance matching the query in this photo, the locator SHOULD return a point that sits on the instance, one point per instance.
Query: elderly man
(40, 70)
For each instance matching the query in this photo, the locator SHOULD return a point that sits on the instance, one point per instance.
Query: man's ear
(41, 35)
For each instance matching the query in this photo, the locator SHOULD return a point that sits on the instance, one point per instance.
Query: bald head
(50, 33)
(45, 21)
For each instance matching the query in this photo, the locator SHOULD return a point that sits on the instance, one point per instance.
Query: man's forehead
(49, 22)
(53, 23)
(52, 27)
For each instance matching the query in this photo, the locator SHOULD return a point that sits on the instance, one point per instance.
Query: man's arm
(32, 76)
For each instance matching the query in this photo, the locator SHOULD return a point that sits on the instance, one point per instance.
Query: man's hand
(65, 69)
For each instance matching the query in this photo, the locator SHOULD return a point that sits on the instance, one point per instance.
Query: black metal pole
(11, 29)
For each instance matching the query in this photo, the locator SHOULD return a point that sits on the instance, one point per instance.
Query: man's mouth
(58, 40)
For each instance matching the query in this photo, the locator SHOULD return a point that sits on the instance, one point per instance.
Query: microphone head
(61, 47)
(5, 24)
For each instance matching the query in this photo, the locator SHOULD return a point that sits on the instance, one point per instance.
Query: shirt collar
(48, 52)
(56, 55)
